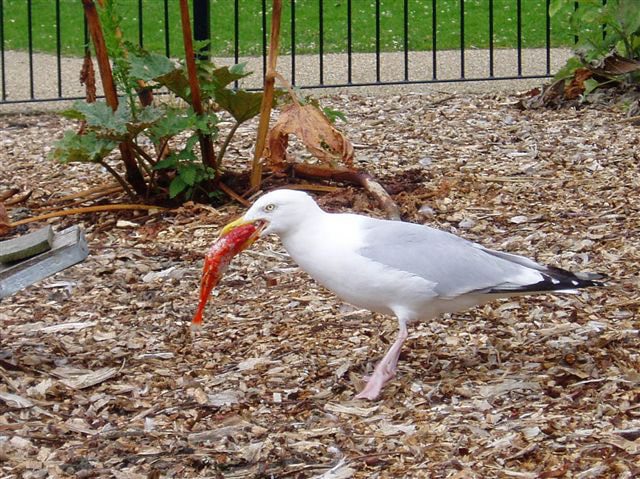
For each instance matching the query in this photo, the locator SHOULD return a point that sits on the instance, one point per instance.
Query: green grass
(307, 30)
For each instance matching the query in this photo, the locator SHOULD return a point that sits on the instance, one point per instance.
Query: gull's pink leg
(386, 368)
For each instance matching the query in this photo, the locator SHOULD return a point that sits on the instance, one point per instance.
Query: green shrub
(608, 40)
(163, 136)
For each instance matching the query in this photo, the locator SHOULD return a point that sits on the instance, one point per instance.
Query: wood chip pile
(101, 375)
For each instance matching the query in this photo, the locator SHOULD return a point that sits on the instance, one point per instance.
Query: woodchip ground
(103, 377)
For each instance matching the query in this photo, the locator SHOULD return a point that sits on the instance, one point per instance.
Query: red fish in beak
(234, 238)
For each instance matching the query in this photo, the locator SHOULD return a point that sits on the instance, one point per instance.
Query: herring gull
(396, 268)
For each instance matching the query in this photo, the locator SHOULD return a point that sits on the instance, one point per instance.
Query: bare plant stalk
(206, 142)
(232, 194)
(84, 199)
(267, 96)
(83, 210)
(133, 174)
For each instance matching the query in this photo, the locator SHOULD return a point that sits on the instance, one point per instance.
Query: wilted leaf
(569, 69)
(315, 131)
(576, 86)
(615, 64)
(88, 77)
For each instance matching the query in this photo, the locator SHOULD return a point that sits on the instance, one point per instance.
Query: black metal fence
(326, 44)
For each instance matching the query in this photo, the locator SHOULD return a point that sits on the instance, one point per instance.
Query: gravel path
(307, 72)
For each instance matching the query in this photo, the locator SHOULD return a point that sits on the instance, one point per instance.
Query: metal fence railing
(325, 44)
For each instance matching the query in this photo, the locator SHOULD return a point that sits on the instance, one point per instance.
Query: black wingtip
(584, 280)
(558, 279)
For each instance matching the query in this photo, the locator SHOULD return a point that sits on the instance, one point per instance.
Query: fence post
(201, 26)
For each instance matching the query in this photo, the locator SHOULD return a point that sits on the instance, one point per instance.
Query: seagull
(407, 270)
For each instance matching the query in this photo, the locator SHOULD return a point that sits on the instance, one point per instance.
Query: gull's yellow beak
(234, 224)
(239, 222)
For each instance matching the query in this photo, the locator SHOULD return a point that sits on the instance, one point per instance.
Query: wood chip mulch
(102, 376)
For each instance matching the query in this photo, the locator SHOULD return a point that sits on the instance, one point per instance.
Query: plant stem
(118, 178)
(206, 142)
(134, 176)
(144, 154)
(145, 94)
(267, 96)
(141, 161)
(223, 148)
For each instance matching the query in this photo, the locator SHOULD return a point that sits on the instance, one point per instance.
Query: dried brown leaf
(576, 86)
(314, 130)
(615, 64)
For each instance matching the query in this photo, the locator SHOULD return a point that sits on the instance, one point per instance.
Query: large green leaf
(223, 76)
(213, 78)
(149, 66)
(241, 104)
(145, 118)
(174, 121)
(86, 148)
(103, 120)
(176, 82)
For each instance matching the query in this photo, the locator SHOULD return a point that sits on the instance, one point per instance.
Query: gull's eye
(270, 207)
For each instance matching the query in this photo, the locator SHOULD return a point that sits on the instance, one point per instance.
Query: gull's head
(278, 212)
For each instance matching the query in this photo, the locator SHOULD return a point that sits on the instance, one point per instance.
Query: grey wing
(455, 265)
